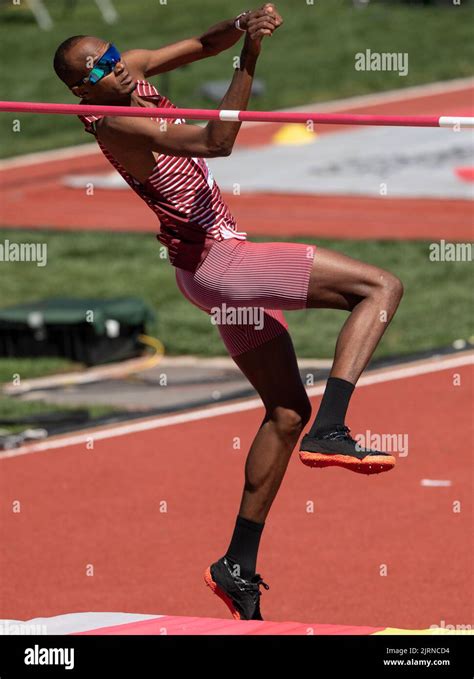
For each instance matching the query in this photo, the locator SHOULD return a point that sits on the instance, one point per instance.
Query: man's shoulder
(110, 129)
(110, 125)
(117, 129)
(134, 63)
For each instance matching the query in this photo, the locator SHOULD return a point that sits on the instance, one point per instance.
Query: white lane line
(436, 483)
(39, 157)
(403, 94)
(387, 375)
(418, 369)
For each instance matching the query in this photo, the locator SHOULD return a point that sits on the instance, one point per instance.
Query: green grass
(11, 408)
(311, 58)
(432, 314)
(23, 368)
(433, 311)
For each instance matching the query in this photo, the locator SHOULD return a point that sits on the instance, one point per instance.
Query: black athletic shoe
(241, 596)
(334, 447)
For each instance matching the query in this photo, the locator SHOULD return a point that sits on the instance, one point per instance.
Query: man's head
(77, 56)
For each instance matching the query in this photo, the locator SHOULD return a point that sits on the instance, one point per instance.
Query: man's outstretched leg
(273, 371)
(372, 297)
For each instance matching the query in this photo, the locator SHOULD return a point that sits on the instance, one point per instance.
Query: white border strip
(387, 375)
(72, 623)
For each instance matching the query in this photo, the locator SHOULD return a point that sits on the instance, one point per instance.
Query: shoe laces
(252, 585)
(257, 581)
(340, 433)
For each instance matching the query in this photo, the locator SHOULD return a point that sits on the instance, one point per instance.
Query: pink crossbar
(228, 115)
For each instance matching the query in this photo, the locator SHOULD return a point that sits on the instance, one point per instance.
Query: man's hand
(261, 22)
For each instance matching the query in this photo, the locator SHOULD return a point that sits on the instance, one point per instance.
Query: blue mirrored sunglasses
(103, 67)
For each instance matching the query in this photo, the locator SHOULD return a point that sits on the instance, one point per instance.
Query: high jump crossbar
(454, 122)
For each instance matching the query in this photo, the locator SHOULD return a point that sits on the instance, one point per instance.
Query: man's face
(113, 87)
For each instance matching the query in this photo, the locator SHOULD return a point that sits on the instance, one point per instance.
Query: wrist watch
(237, 21)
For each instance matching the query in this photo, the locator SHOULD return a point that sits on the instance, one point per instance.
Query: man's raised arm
(216, 39)
(216, 139)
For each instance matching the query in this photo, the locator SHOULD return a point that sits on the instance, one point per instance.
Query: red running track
(102, 507)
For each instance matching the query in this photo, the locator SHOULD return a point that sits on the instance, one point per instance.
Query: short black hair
(60, 57)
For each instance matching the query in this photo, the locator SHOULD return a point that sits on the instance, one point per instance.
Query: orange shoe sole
(221, 594)
(371, 465)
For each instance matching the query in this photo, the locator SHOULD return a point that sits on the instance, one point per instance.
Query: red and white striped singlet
(183, 194)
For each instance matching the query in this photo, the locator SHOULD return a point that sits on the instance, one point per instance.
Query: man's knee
(290, 420)
(385, 284)
(391, 287)
(396, 287)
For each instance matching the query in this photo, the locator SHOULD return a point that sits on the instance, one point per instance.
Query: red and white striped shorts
(245, 287)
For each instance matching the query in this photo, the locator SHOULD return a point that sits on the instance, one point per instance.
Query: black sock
(334, 404)
(243, 547)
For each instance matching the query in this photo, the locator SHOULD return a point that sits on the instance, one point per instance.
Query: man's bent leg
(371, 295)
